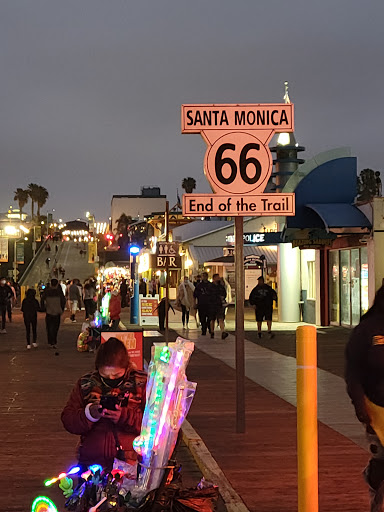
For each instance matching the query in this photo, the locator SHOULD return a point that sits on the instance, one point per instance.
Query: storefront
(348, 285)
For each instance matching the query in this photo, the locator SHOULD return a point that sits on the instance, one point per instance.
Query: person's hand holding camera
(96, 411)
(114, 416)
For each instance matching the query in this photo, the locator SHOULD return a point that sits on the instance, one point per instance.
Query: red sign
(277, 117)
(204, 205)
(148, 307)
(133, 342)
(238, 161)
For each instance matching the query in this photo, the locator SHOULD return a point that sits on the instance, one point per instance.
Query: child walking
(30, 307)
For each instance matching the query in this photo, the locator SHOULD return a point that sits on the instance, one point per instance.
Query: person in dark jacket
(6, 295)
(219, 294)
(203, 295)
(107, 433)
(29, 307)
(364, 375)
(53, 303)
(123, 293)
(262, 297)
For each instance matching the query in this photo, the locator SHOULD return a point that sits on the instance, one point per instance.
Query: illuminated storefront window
(348, 285)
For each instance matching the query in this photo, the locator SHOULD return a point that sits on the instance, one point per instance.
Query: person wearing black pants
(52, 323)
(204, 295)
(5, 297)
(54, 303)
(30, 307)
(3, 311)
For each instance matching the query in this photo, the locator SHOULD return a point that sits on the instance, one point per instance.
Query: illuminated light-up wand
(72, 471)
(169, 396)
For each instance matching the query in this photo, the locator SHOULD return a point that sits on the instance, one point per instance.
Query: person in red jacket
(106, 408)
(115, 309)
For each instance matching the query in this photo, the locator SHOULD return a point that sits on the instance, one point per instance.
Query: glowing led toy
(43, 504)
(86, 474)
(169, 397)
(66, 485)
(72, 471)
(104, 309)
(95, 468)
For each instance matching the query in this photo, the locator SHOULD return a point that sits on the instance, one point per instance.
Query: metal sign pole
(167, 274)
(239, 326)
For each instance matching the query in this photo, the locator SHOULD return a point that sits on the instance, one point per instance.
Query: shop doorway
(348, 285)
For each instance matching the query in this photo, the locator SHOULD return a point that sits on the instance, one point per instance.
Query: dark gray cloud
(91, 89)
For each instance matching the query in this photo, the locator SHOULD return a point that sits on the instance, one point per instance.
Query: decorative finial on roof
(286, 95)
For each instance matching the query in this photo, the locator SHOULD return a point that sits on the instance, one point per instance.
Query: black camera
(109, 402)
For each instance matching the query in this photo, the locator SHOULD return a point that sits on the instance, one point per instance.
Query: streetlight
(134, 251)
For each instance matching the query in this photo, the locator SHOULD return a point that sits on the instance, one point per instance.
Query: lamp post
(134, 251)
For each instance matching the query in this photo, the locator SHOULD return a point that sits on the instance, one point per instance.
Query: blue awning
(340, 215)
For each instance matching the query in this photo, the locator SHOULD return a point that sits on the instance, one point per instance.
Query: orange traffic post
(307, 443)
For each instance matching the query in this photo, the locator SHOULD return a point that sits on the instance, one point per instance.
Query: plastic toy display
(169, 397)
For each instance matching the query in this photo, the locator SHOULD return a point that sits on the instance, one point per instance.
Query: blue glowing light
(95, 468)
(134, 249)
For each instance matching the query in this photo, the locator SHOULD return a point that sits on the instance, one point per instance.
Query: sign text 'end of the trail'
(204, 205)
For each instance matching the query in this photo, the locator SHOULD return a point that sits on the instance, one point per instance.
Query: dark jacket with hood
(364, 372)
(6, 295)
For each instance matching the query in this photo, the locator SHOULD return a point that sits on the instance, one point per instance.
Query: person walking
(203, 296)
(89, 294)
(161, 311)
(262, 297)
(142, 287)
(5, 297)
(29, 307)
(115, 309)
(364, 376)
(218, 306)
(185, 299)
(54, 303)
(124, 292)
(74, 298)
(12, 301)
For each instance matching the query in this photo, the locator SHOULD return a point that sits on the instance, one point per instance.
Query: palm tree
(41, 198)
(189, 184)
(21, 196)
(123, 223)
(33, 192)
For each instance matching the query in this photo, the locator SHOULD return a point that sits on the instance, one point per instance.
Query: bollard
(307, 444)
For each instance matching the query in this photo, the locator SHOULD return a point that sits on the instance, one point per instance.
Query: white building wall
(136, 207)
(378, 235)
(289, 283)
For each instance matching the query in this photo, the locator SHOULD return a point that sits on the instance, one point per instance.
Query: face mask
(112, 383)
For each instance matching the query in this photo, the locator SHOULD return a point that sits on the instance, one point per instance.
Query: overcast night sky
(91, 90)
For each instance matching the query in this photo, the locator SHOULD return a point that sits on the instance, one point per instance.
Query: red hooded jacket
(97, 442)
(115, 307)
